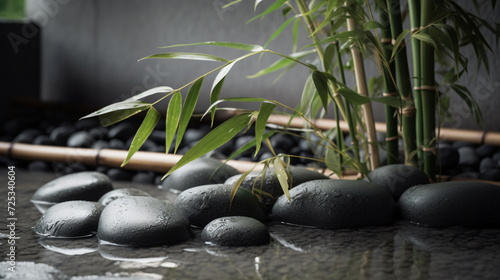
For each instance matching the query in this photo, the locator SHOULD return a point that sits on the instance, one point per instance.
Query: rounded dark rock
(270, 185)
(490, 175)
(144, 177)
(496, 157)
(80, 139)
(116, 144)
(142, 222)
(27, 136)
(42, 140)
(397, 178)
(336, 204)
(488, 164)
(235, 231)
(486, 150)
(454, 203)
(70, 219)
(122, 131)
(459, 144)
(282, 141)
(119, 193)
(201, 171)
(469, 175)
(118, 174)
(87, 185)
(100, 133)
(203, 204)
(100, 144)
(468, 156)
(60, 135)
(193, 135)
(38, 165)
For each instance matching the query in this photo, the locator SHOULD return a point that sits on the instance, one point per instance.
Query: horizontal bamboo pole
(450, 134)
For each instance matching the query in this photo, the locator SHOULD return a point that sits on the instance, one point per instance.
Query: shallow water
(400, 251)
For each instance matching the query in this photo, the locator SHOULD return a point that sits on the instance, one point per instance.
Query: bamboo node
(9, 150)
(98, 157)
(429, 149)
(409, 110)
(393, 42)
(416, 29)
(386, 40)
(483, 136)
(387, 139)
(390, 94)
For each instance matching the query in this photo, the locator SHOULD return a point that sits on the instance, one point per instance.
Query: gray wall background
(90, 50)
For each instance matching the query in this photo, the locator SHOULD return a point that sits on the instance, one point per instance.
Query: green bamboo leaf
(231, 3)
(341, 36)
(307, 97)
(187, 111)
(276, 5)
(392, 101)
(332, 160)
(235, 99)
(246, 47)
(147, 126)
(118, 111)
(250, 145)
(279, 167)
(214, 96)
(150, 92)
(281, 63)
(371, 24)
(329, 56)
(468, 98)
(266, 109)
(237, 185)
(353, 97)
(399, 40)
(285, 11)
(295, 34)
(321, 83)
(186, 55)
(216, 138)
(426, 38)
(278, 31)
(172, 120)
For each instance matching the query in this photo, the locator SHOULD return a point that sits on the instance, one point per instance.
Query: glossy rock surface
(336, 204)
(142, 221)
(235, 231)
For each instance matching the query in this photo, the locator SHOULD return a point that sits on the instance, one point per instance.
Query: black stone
(397, 178)
(122, 131)
(116, 144)
(201, 171)
(488, 164)
(283, 142)
(42, 140)
(119, 193)
(203, 204)
(486, 150)
(27, 136)
(193, 135)
(100, 144)
(459, 144)
(455, 203)
(88, 186)
(490, 175)
(99, 133)
(142, 222)
(336, 204)
(80, 139)
(468, 156)
(496, 157)
(60, 135)
(118, 174)
(269, 188)
(144, 177)
(235, 231)
(70, 219)
(38, 165)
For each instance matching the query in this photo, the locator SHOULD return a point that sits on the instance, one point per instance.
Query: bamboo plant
(337, 29)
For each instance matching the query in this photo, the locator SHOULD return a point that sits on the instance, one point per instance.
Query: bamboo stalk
(359, 70)
(403, 81)
(391, 118)
(414, 8)
(428, 95)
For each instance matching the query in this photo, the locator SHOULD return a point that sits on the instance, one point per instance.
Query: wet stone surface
(336, 204)
(203, 204)
(77, 186)
(119, 193)
(199, 172)
(397, 251)
(463, 203)
(397, 178)
(70, 219)
(235, 231)
(141, 221)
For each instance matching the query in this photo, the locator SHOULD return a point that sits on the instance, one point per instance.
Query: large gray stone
(203, 204)
(235, 231)
(336, 204)
(397, 178)
(88, 185)
(70, 219)
(141, 221)
(119, 193)
(455, 203)
(269, 188)
(202, 171)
